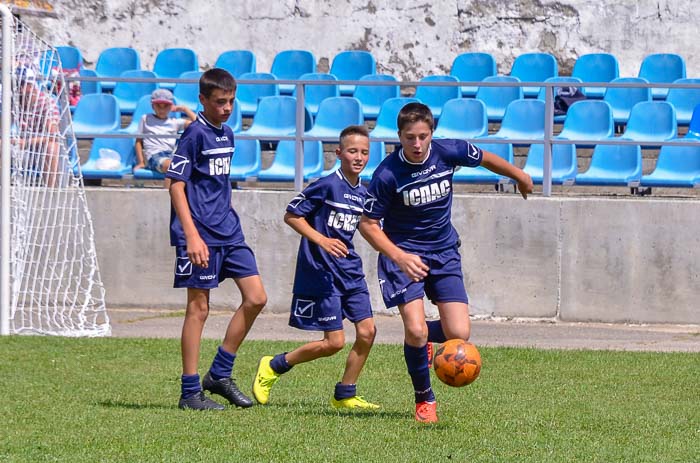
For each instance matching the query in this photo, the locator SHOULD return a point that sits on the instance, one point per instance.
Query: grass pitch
(92, 400)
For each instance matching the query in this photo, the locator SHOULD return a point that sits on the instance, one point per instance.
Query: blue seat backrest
(372, 96)
(596, 67)
(237, 62)
(463, 116)
(473, 67)
(171, 62)
(249, 94)
(186, 93)
(315, 94)
(89, 87)
(496, 99)
(534, 67)
(71, 58)
(436, 96)
(651, 120)
(588, 119)
(352, 65)
(98, 110)
(113, 61)
(123, 146)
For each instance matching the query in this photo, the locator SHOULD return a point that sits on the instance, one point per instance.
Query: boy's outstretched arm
(497, 164)
(410, 264)
(332, 246)
(197, 249)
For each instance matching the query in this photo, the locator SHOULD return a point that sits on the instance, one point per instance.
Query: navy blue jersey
(203, 161)
(415, 200)
(333, 208)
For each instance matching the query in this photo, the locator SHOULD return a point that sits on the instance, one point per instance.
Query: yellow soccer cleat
(265, 378)
(357, 402)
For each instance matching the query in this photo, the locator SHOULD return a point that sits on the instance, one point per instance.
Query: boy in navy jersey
(210, 245)
(411, 192)
(329, 284)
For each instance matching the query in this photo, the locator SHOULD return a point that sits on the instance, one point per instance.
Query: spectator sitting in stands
(39, 128)
(154, 153)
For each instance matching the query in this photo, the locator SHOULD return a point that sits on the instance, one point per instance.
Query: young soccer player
(411, 192)
(329, 284)
(210, 245)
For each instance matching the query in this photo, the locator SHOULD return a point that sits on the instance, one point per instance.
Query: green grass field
(91, 400)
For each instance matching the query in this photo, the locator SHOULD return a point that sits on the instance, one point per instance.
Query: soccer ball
(457, 362)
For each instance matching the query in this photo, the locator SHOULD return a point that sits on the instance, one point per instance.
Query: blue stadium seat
(613, 165)
(314, 94)
(676, 166)
(237, 62)
(330, 170)
(70, 57)
(172, 62)
(662, 68)
(524, 119)
(334, 114)
(564, 164)
(282, 167)
(96, 113)
(352, 65)
(462, 118)
(94, 168)
(684, 100)
(88, 87)
(128, 94)
(276, 116)
(473, 67)
(436, 96)
(377, 153)
(588, 120)
(386, 120)
(694, 125)
(290, 65)
(113, 61)
(148, 174)
(481, 174)
(496, 99)
(534, 67)
(651, 121)
(596, 67)
(246, 160)
(235, 120)
(559, 79)
(248, 95)
(622, 99)
(373, 96)
(187, 94)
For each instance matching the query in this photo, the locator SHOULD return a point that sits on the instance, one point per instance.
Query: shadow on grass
(135, 406)
(314, 408)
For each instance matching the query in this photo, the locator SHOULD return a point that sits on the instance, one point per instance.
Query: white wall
(410, 38)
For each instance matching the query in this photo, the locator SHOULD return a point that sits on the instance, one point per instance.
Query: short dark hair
(353, 130)
(415, 112)
(216, 78)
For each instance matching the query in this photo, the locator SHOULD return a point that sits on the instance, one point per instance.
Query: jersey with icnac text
(415, 200)
(203, 161)
(333, 207)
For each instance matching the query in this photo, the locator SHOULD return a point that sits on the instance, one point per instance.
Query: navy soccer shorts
(326, 313)
(231, 261)
(444, 283)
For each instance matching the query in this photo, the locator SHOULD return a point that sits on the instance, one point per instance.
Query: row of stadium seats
(610, 165)
(646, 121)
(353, 64)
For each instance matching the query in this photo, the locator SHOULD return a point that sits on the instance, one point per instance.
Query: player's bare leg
(195, 316)
(416, 355)
(165, 167)
(365, 332)
(218, 379)
(454, 317)
(345, 396)
(332, 343)
(254, 299)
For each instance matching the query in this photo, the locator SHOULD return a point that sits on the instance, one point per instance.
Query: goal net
(54, 276)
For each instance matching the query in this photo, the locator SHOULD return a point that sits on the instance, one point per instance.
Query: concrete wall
(410, 39)
(572, 259)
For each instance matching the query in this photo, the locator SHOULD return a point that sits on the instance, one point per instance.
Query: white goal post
(49, 276)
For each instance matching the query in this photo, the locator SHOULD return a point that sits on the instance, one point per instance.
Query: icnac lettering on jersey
(352, 197)
(219, 166)
(342, 221)
(426, 193)
(222, 138)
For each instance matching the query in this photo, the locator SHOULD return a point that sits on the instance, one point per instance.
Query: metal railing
(299, 137)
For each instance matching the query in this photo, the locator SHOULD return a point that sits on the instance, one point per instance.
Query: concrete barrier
(570, 259)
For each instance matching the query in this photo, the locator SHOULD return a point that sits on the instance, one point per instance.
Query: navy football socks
(417, 363)
(279, 364)
(190, 385)
(435, 333)
(345, 391)
(222, 366)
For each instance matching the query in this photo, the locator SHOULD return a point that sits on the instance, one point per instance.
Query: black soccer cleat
(199, 402)
(226, 387)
